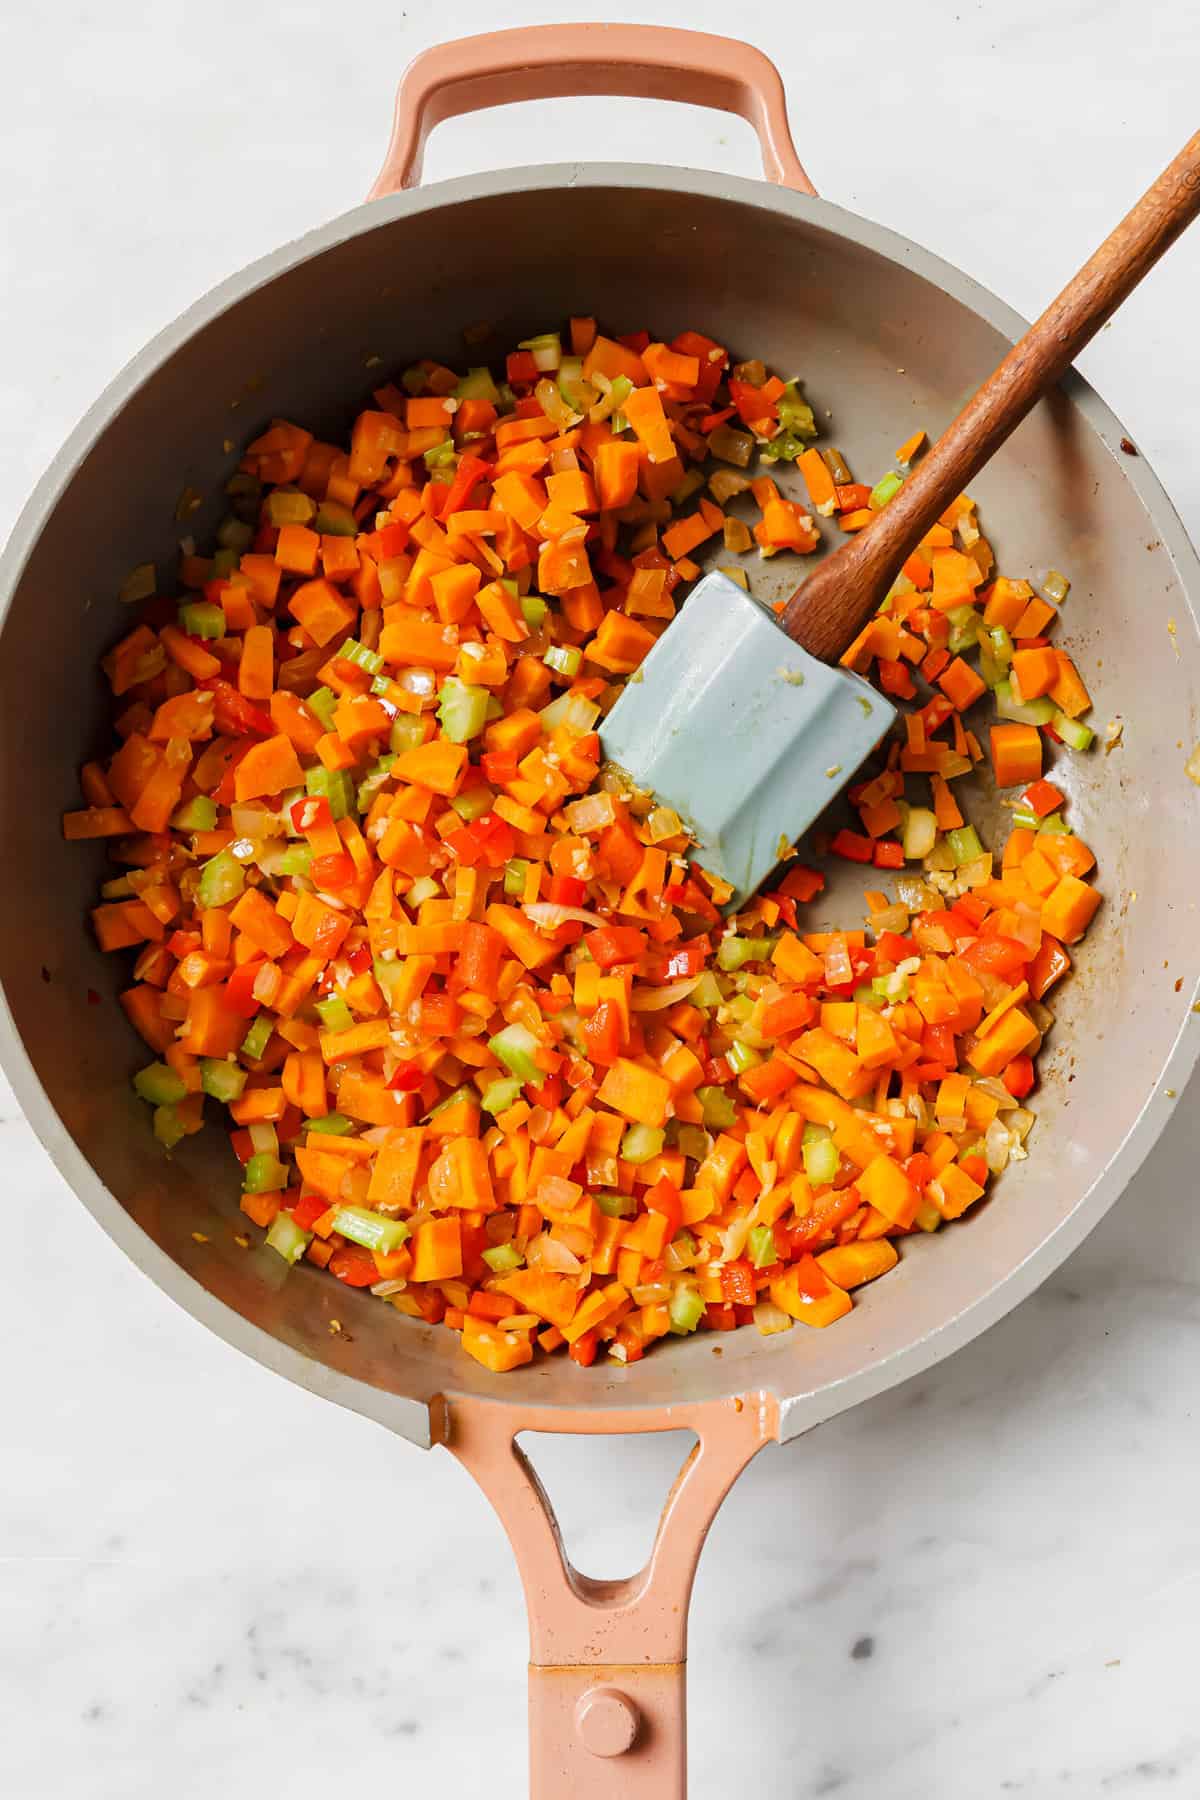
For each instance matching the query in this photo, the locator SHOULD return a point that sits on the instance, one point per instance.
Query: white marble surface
(185, 1608)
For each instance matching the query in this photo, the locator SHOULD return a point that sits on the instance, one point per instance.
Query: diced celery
(795, 414)
(920, 833)
(354, 652)
(408, 732)
(1054, 825)
(224, 562)
(1002, 644)
(477, 384)
(535, 610)
(641, 1142)
(287, 1238)
(616, 1206)
(263, 1174)
(224, 1081)
(473, 803)
(1022, 712)
(516, 873)
(884, 488)
(546, 350)
(370, 1229)
(462, 710)
(197, 814)
(372, 781)
(295, 860)
(717, 1107)
(202, 619)
(991, 670)
(565, 659)
(335, 785)
(733, 952)
(515, 1047)
(234, 534)
(498, 1096)
(335, 520)
(413, 380)
(335, 1015)
(1028, 821)
(693, 1140)
(334, 1124)
(168, 1126)
(742, 1056)
(502, 1257)
(255, 1042)
(465, 1092)
(322, 701)
(964, 845)
(785, 446)
(867, 996)
(388, 974)
(423, 888)
(927, 1217)
(221, 880)
(442, 456)
(893, 988)
(707, 991)
(761, 1246)
(288, 506)
(1072, 733)
(1056, 587)
(821, 1160)
(686, 1309)
(159, 1085)
(691, 484)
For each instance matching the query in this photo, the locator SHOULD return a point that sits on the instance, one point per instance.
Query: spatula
(736, 719)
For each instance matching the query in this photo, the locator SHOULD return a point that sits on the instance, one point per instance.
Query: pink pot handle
(543, 62)
(607, 1717)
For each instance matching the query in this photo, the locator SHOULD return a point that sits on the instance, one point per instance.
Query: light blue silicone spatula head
(742, 732)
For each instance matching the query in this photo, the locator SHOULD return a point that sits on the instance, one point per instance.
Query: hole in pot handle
(607, 1718)
(653, 62)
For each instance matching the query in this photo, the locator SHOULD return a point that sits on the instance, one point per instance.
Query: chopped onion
(254, 821)
(771, 1318)
(263, 1138)
(384, 1288)
(997, 1146)
(548, 917)
(655, 999)
(890, 918)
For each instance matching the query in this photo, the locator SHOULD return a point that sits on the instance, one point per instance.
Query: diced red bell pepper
(332, 871)
(308, 1210)
(406, 1078)
(892, 948)
(602, 1035)
(888, 854)
(233, 714)
(995, 955)
(737, 1280)
(470, 472)
(499, 767)
(239, 997)
(1019, 1077)
(583, 1350)
(637, 341)
(360, 959)
(393, 539)
(353, 1266)
(615, 944)
(567, 890)
(521, 369)
(243, 1144)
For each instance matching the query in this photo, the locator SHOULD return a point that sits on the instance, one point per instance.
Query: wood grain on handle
(843, 591)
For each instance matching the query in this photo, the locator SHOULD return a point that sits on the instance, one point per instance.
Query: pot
(887, 337)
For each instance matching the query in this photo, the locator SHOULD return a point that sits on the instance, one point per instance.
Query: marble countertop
(980, 1584)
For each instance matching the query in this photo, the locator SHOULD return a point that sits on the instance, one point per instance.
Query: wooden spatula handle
(842, 592)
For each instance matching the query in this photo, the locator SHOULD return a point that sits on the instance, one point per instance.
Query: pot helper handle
(545, 62)
(607, 1717)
